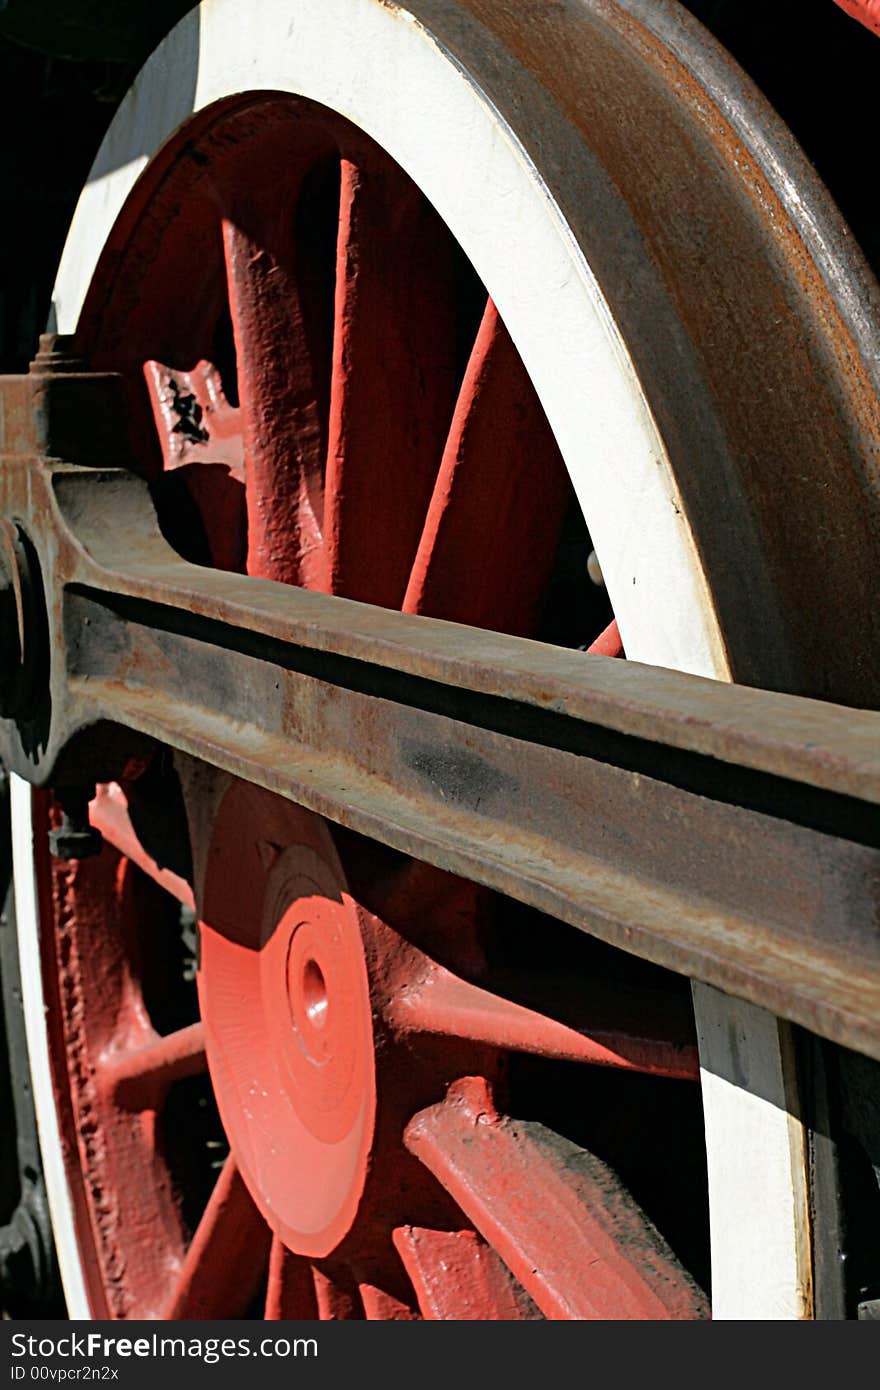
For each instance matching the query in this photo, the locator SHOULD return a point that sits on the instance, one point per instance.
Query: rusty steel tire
(570, 246)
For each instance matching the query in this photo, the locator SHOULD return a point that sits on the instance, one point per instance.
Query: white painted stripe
(757, 1160)
(28, 928)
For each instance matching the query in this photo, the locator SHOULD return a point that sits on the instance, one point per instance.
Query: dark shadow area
(819, 69)
(840, 1090)
(63, 71)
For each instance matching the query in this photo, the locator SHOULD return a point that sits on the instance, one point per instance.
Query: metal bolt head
(594, 570)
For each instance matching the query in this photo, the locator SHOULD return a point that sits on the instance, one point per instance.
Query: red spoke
(608, 642)
(457, 1277)
(139, 1079)
(291, 1289)
(226, 1261)
(338, 1298)
(383, 1307)
(493, 523)
(393, 387)
(108, 812)
(557, 1216)
(638, 1031)
(283, 435)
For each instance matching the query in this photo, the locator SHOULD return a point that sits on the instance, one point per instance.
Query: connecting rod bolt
(75, 838)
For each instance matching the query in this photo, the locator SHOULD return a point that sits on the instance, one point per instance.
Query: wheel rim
(647, 629)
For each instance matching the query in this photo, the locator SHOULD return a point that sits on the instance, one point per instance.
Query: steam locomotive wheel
(386, 285)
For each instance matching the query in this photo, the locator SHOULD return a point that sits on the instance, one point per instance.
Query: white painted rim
(379, 67)
(54, 1167)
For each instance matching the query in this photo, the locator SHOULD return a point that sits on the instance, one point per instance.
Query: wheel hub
(285, 999)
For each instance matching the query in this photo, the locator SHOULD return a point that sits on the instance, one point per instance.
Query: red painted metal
(641, 1033)
(382, 1307)
(582, 1248)
(318, 1018)
(108, 812)
(393, 382)
(500, 462)
(226, 1260)
(100, 908)
(290, 1292)
(282, 431)
(458, 1277)
(194, 420)
(139, 1078)
(338, 1297)
(608, 642)
(200, 435)
(284, 437)
(286, 1007)
(866, 11)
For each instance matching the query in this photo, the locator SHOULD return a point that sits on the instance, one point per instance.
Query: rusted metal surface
(727, 833)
